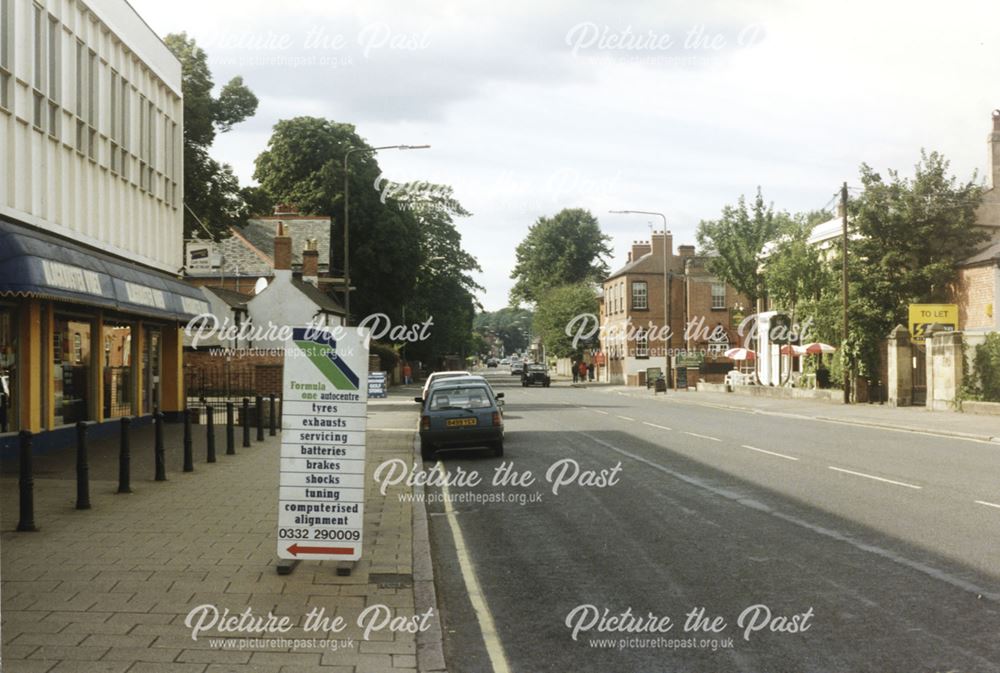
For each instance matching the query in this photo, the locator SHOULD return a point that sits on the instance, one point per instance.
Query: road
(872, 550)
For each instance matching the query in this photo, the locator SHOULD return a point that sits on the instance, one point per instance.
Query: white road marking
(695, 434)
(740, 499)
(988, 504)
(770, 453)
(494, 648)
(598, 411)
(871, 476)
(625, 418)
(654, 425)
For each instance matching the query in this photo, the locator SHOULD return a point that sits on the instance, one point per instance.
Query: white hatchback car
(437, 376)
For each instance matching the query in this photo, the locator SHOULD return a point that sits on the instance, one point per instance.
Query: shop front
(85, 337)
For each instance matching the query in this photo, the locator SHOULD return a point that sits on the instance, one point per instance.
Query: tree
(795, 269)
(211, 189)
(556, 309)
(911, 234)
(406, 254)
(303, 167)
(564, 249)
(738, 238)
(510, 325)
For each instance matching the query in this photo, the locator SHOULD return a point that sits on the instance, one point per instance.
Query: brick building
(639, 300)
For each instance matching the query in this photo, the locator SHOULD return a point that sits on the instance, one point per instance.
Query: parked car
(516, 368)
(436, 376)
(536, 375)
(492, 362)
(505, 361)
(461, 415)
(463, 380)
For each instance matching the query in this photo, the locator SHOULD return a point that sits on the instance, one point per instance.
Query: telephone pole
(843, 354)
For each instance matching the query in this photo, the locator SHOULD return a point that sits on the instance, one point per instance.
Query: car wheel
(545, 385)
(498, 448)
(428, 452)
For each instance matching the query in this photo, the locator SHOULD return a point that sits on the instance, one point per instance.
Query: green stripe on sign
(318, 355)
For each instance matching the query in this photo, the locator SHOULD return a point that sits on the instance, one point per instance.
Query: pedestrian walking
(576, 372)
(407, 373)
(583, 371)
(590, 371)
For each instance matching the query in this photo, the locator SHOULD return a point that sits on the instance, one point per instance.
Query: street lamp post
(347, 228)
(667, 285)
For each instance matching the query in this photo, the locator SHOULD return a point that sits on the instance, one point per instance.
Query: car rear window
(464, 397)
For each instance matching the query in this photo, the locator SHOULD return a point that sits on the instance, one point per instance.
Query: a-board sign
(321, 491)
(378, 384)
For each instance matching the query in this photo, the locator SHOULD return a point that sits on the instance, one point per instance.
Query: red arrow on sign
(295, 550)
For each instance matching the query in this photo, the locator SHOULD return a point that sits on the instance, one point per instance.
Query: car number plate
(461, 422)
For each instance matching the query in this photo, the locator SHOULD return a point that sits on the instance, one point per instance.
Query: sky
(679, 108)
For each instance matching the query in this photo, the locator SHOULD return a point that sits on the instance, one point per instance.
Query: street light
(667, 284)
(347, 255)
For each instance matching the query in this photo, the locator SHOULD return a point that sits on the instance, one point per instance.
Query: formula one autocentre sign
(321, 493)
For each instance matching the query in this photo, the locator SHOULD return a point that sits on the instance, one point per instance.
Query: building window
(8, 370)
(718, 341)
(54, 75)
(92, 104)
(71, 370)
(718, 296)
(6, 52)
(640, 295)
(641, 344)
(40, 51)
(82, 88)
(117, 370)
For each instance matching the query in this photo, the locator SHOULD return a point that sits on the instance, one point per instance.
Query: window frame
(644, 295)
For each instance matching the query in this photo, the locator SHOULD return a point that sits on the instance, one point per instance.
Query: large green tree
(795, 270)
(406, 253)
(564, 249)
(910, 235)
(211, 190)
(510, 325)
(556, 309)
(738, 238)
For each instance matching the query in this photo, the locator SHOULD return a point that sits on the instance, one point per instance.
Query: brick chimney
(993, 143)
(639, 248)
(685, 250)
(659, 242)
(310, 262)
(282, 249)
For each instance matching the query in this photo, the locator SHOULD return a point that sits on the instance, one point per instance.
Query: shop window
(71, 370)
(8, 370)
(117, 370)
(151, 371)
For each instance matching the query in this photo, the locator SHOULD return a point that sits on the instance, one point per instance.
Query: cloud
(532, 107)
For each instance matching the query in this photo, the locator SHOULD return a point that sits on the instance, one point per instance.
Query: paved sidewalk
(109, 589)
(911, 419)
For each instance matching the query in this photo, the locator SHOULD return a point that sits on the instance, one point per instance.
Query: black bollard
(125, 458)
(273, 420)
(82, 469)
(230, 431)
(26, 485)
(159, 455)
(188, 445)
(260, 418)
(210, 433)
(245, 422)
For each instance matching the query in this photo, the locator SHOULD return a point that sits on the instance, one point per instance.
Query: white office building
(91, 216)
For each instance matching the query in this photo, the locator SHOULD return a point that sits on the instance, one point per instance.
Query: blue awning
(36, 264)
